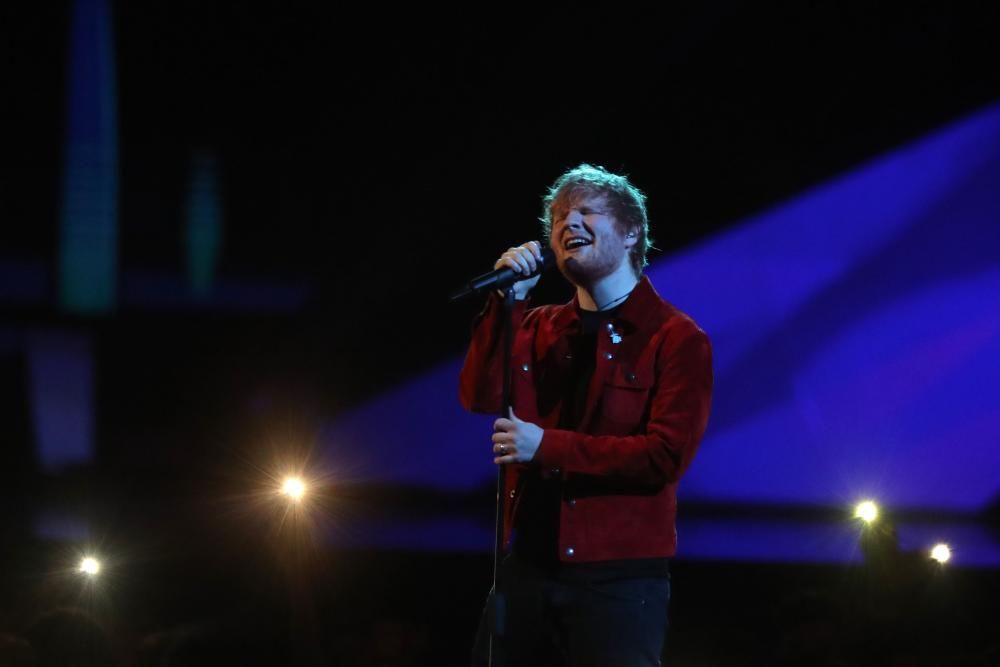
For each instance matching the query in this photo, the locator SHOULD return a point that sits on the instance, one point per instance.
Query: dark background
(379, 157)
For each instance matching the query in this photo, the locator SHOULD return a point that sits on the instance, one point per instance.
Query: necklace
(614, 301)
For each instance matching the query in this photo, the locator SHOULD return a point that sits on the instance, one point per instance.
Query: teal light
(203, 232)
(88, 241)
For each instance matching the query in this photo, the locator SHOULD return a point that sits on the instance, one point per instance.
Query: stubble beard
(593, 267)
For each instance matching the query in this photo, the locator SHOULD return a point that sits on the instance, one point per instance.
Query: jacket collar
(643, 309)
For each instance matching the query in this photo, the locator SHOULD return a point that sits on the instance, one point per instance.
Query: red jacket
(646, 411)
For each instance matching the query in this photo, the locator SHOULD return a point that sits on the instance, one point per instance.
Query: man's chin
(575, 271)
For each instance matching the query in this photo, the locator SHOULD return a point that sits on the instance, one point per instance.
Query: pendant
(613, 335)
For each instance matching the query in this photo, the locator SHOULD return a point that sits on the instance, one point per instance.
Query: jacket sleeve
(678, 416)
(480, 385)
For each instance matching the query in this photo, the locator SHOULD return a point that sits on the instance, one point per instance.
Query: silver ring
(503, 449)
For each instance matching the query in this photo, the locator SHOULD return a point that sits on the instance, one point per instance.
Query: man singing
(610, 396)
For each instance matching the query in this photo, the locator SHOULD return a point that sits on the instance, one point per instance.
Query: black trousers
(566, 622)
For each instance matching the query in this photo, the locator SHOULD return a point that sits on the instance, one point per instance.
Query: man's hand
(515, 441)
(525, 259)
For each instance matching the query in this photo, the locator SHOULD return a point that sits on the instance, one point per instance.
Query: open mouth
(574, 242)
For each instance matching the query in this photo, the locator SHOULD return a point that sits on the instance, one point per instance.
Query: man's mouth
(574, 242)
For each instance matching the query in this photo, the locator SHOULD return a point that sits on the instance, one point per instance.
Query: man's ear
(631, 237)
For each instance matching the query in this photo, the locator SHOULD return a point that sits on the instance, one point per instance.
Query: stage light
(90, 566)
(294, 488)
(867, 511)
(941, 553)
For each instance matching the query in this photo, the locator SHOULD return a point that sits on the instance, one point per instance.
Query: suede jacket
(646, 411)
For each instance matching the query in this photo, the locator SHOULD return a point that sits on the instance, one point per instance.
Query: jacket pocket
(626, 394)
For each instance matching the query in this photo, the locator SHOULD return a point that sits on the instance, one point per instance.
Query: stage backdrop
(856, 332)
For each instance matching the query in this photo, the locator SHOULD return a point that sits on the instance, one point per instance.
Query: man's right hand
(524, 259)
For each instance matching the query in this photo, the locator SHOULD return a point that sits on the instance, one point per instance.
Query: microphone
(504, 277)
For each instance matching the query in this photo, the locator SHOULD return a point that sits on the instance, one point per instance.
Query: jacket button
(554, 471)
(569, 356)
(572, 502)
(524, 367)
(513, 492)
(630, 377)
(570, 552)
(609, 356)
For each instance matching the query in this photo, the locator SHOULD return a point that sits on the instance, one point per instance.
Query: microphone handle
(505, 277)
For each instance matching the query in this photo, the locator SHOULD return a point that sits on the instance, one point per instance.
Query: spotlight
(941, 553)
(867, 511)
(294, 488)
(90, 566)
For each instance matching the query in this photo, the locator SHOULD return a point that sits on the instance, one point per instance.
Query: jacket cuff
(554, 449)
(493, 309)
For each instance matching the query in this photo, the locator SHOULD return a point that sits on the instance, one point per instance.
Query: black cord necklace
(613, 301)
